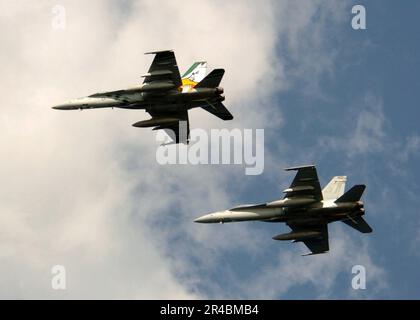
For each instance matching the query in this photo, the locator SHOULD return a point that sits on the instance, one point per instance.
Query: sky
(83, 189)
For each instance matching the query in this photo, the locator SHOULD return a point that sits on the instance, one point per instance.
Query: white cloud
(67, 191)
(368, 134)
(83, 189)
(288, 269)
(369, 131)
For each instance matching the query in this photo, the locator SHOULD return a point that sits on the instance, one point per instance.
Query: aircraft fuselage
(139, 98)
(281, 211)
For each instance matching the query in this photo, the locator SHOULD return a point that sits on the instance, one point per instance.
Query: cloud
(321, 272)
(306, 41)
(83, 189)
(72, 196)
(368, 134)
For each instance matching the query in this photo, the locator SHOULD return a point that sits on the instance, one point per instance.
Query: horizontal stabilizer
(353, 195)
(219, 110)
(359, 224)
(212, 80)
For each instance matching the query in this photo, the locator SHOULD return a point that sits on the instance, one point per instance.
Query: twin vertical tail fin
(212, 80)
(353, 195)
(335, 188)
(195, 76)
(196, 73)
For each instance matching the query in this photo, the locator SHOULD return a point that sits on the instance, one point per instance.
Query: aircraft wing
(179, 131)
(218, 109)
(317, 245)
(359, 224)
(305, 183)
(164, 69)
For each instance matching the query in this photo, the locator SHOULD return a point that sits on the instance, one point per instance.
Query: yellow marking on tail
(188, 82)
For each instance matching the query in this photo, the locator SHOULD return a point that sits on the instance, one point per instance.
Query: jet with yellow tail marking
(165, 95)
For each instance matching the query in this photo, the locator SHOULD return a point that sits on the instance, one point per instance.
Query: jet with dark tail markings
(164, 95)
(306, 209)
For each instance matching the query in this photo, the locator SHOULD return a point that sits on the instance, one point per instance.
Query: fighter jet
(305, 209)
(164, 95)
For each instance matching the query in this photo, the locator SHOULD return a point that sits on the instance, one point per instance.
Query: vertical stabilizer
(212, 80)
(335, 188)
(196, 73)
(352, 195)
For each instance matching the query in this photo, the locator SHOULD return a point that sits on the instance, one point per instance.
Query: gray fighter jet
(305, 209)
(164, 95)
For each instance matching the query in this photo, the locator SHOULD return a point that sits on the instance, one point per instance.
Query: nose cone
(215, 217)
(58, 107)
(66, 106)
(208, 218)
